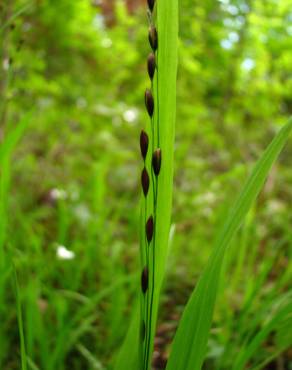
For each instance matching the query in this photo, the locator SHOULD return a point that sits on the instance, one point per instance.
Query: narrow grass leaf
(92, 361)
(22, 9)
(128, 357)
(247, 350)
(20, 320)
(189, 347)
(6, 151)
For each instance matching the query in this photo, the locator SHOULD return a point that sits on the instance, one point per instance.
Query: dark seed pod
(143, 330)
(144, 280)
(151, 64)
(151, 4)
(156, 161)
(149, 102)
(145, 181)
(153, 38)
(144, 142)
(149, 228)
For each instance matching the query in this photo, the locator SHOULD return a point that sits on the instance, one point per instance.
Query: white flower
(64, 254)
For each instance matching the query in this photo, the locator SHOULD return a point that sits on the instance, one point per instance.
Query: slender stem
(153, 276)
(157, 98)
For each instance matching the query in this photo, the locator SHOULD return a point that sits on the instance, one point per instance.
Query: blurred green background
(75, 72)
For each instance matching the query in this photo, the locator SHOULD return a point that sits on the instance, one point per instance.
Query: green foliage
(190, 343)
(73, 178)
(6, 150)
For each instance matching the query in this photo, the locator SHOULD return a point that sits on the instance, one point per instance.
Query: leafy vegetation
(70, 184)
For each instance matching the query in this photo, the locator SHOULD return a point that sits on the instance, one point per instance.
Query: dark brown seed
(151, 64)
(156, 161)
(151, 4)
(144, 280)
(149, 228)
(153, 38)
(144, 142)
(143, 330)
(149, 102)
(145, 181)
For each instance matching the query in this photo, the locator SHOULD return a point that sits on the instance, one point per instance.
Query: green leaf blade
(128, 356)
(190, 342)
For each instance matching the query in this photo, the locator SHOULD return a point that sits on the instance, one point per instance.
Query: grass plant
(190, 343)
(70, 183)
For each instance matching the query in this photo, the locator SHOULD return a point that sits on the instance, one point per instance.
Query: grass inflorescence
(149, 176)
(62, 243)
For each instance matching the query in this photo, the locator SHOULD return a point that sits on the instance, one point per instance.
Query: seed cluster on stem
(149, 178)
